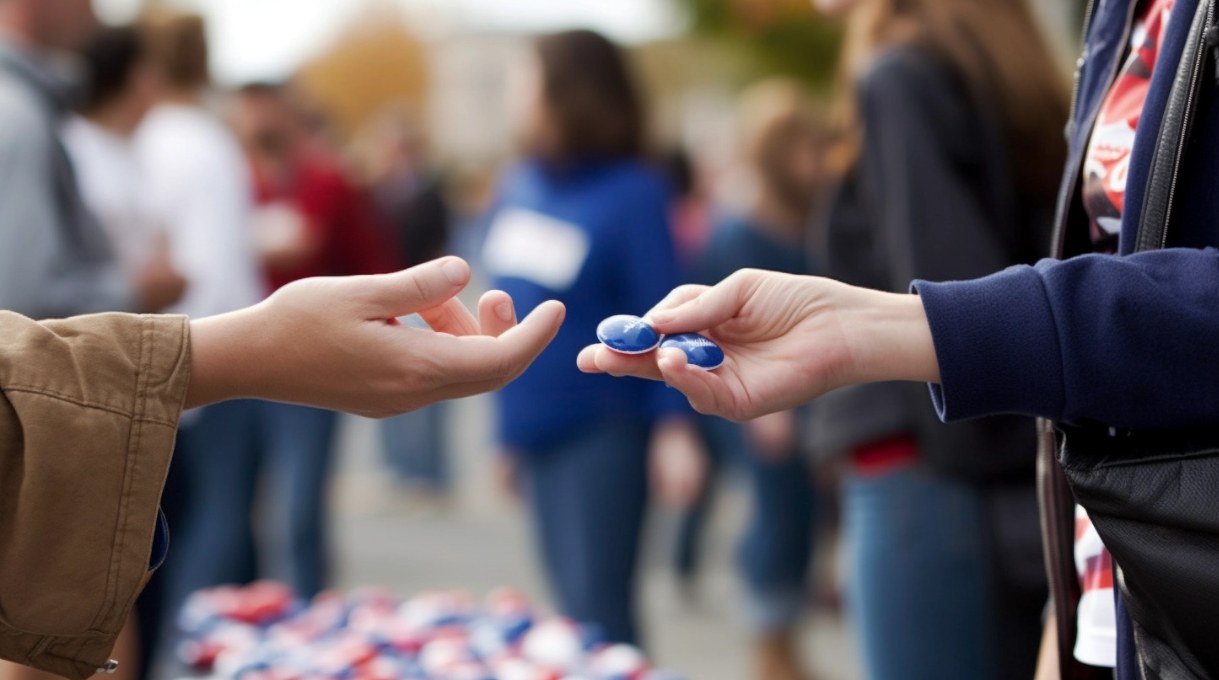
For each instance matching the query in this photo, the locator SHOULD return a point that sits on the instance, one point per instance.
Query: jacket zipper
(1079, 63)
(1208, 36)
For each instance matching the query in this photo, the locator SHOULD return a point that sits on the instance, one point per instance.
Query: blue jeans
(416, 446)
(208, 500)
(776, 548)
(299, 447)
(918, 592)
(587, 497)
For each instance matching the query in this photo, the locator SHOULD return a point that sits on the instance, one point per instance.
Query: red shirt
(336, 213)
(1108, 155)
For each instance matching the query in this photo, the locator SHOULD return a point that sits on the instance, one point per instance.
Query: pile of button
(263, 632)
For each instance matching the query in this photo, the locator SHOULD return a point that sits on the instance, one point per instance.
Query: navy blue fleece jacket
(1129, 341)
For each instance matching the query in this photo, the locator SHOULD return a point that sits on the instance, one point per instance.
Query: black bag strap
(1174, 131)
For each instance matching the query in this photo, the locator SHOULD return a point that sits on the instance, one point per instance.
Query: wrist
(227, 357)
(890, 339)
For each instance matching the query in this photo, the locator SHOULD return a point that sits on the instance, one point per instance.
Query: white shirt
(113, 187)
(199, 187)
(1096, 637)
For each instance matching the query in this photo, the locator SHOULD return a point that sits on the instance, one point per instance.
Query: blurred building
(470, 112)
(375, 61)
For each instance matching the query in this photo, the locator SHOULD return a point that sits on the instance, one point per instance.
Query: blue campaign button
(700, 351)
(627, 334)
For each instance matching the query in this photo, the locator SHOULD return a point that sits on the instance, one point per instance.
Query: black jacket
(931, 197)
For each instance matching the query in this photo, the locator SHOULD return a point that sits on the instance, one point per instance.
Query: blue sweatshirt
(596, 237)
(1128, 341)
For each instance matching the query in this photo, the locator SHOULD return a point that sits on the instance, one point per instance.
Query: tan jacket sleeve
(88, 411)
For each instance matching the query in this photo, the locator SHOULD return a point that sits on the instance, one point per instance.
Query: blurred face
(146, 86)
(60, 24)
(835, 7)
(264, 123)
(804, 164)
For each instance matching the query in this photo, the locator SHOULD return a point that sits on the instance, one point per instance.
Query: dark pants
(587, 496)
(918, 591)
(208, 501)
(416, 447)
(776, 548)
(300, 455)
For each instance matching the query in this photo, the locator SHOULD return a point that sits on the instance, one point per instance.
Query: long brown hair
(1004, 61)
(590, 94)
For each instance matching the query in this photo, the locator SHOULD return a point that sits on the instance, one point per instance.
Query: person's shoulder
(911, 81)
(900, 64)
(184, 135)
(24, 120)
(728, 227)
(636, 179)
(908, 72)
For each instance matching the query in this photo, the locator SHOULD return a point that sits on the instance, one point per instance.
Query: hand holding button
(785, 339)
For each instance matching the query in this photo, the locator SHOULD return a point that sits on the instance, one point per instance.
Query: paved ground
(482, 542)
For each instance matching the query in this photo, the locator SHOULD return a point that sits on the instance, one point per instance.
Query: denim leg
(918, 591)
(300, 450)
(777, 547)
(722, 439)
(416, 446)
(587, 497)
(214, 471)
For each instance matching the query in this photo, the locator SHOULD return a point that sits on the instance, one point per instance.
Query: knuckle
(418, 288)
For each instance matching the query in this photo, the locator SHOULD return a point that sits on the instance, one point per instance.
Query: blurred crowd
(130, 182)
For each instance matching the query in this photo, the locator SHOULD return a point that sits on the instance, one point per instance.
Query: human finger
(705, 309)
(678, 296)
(496, 313)
(599, 359)
(482, 357)
(419, 288)
(452, 317)
(706, 391)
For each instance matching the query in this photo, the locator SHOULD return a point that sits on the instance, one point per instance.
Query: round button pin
(627, 334)
(700, 351)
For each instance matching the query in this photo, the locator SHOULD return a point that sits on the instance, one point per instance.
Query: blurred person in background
(781, 147)
(584, 219)
(690, 213)
(310, 221)
(121, 85)
(949, 151)
(409, 196)
(54, 258)
(196, 182)
(121, 88)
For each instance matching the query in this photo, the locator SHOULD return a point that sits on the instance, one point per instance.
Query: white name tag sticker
(535, 247)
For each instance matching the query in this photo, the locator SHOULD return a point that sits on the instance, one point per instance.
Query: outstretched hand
(333, 343)
(787, 340)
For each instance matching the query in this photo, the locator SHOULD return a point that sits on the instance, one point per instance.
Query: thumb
(412, 290)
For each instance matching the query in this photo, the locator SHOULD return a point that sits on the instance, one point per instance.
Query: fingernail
(454, 271)
(504, 311)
